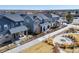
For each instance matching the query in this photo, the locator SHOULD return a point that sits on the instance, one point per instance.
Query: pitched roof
(31, 16)
(54, 15)
(48, 15)
(40, 16)
(14, 17)
(43, 16)
(46, 23)
(18, 29)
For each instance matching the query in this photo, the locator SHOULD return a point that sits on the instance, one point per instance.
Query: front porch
(45, 27)
(18, 32)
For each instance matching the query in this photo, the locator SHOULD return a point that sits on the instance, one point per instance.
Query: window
(0, 28)
(12, 25)
(44, 29)
(16, 23)
(37, 22)
(5, 27)
(48, 26)
(21, 23)
(27, 20)
(41, 28)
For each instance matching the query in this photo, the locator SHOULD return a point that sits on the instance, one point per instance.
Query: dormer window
(21, 23)
(5, 27)
(12, 25)
(0, 28)
(16, 23)
(34, 17)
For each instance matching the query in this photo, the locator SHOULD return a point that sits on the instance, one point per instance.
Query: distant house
(53, 19)
(13, 25)
(76, 21)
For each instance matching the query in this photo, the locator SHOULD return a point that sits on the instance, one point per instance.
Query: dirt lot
(42, 47)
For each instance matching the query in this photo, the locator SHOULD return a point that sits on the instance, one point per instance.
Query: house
(46, 22)
(33, 21)
(11, 25)
(54, 19)
(37, 22)
(63, 21)
(76, 21)
(56, 22)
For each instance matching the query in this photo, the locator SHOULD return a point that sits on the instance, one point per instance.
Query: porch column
(25, 32)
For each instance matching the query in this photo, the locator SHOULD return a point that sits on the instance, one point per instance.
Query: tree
(49, 41)
(12, 12)
(69, 17)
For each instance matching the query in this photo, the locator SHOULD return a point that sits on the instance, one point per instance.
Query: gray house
(33, 21)
(11, 25)
(37, 23)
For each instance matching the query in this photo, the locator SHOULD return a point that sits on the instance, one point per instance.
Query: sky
(38, 7)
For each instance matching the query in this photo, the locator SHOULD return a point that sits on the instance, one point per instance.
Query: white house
(76, 21)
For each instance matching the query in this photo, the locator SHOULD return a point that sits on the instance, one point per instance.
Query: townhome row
(13, 26)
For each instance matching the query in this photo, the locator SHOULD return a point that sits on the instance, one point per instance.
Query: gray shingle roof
(54, 15)
(43, 16)
(40, 16)
(31, 16)
(48, 15)
(18, 29)
(14, 17)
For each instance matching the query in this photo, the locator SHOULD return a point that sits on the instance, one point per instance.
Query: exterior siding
(10, 24)
(29, 23)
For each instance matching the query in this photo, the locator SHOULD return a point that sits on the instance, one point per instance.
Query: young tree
(69, 17)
